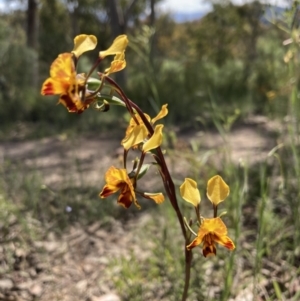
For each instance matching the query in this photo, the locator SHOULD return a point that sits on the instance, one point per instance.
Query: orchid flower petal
(155, 140)
(83, 43)
(189, 192)
(136, 136)
(117, 47)
(161, 114)
(217, 190)
(158, 198)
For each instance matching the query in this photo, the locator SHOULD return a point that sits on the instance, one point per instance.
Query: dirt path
(57, 157)
(74, 266)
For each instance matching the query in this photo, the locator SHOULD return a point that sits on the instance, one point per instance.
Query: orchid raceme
(189, 192)
(212, 231)
(83, 43)
(117, 179)
(217, 190)
(117, 47)
(65, 82)
(79, 91)
(137, 133)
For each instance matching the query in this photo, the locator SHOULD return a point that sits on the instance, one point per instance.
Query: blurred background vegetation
(232, 58)
(216, 73)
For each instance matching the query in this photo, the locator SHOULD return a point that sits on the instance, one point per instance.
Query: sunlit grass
(262, 218)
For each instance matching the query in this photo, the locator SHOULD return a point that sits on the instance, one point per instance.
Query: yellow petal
(132, 124)
(83, 43)
(217, 190)
(118, 46)
(120, 56)
(63, 68)
(108, 190)
(158, 198)
(116, 65)
(190, 192)
(62, 75)
(137, 135)
(224, 241)
(163, 112)
(213, 225)
(114, 176)
(196, 242)
(52, 87)
(156, 139)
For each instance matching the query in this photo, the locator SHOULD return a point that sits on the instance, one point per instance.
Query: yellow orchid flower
(117, 179)
(83, 43)
(65, 82)
(189, 192)
(137, 133)
(117, 47)
(217, 190)
(211, 231)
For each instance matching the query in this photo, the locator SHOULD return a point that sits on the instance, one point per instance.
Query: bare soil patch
(74, 266)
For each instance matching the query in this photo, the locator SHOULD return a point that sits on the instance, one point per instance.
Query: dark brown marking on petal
(67, 101)
(106, 192)
(125, 199)
(209, 250)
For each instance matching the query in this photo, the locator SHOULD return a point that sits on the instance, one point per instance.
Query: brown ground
(73, 266)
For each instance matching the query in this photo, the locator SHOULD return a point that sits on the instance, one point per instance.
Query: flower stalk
(78, 92)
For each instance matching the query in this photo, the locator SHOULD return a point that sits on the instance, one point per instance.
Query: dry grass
(60, 242)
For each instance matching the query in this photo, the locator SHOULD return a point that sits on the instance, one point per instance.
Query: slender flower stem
(92, 69)
(167, 180)
(188, 261)
(92, 95)
(124, 97)
(215, 210)
(87, 77)
(141, 161)
(125, 157)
